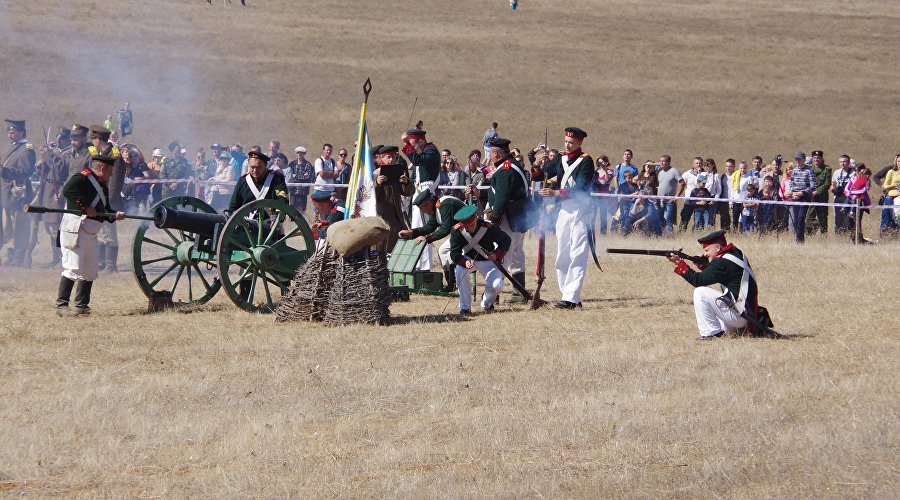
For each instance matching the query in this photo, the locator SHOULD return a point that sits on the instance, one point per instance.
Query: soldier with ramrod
(475, 245)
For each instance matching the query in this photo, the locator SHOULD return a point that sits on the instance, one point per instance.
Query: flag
(361, 192)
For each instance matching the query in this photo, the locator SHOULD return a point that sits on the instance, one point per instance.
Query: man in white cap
(300, 170)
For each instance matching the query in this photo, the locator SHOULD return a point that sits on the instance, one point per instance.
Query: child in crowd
(858, 193)
(627, 187)
(701, 214)
(749, 212)
(765, 216)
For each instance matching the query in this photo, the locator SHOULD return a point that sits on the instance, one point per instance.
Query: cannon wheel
(266, 257)
(163, 258)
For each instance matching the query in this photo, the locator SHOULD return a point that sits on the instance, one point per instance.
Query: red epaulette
(725, 249)
(505, 165)
(85, 172)
(334, 210)
(458, 226)
(437, 204)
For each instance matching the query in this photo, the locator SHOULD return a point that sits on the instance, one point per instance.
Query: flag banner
(361, 192)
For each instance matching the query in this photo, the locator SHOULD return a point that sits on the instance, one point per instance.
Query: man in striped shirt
(802, 186)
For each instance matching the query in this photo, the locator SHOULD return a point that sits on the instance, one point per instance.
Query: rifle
(31, 209)
(408, 123)
(536, 300)
(698, 260)
(39, 196)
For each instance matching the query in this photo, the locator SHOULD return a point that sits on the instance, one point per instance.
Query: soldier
(259, 183)
(720, 311)
(508, 200)
(328, 211)
(86, 191)
(440, 223)
(823, 183)
(108, 237)
(176, 167)
(425, 161)
(574, 171)
(53, 174)
(15, 190)
(476, 244)
(389, 193)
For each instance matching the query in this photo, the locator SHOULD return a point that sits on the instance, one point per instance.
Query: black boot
(112, 257)
(62, 297)
(83, 297)
(516, 297)
(102, 257)
(450, 278)
(244, 290)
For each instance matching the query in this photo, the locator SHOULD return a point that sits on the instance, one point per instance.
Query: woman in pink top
(858, 192)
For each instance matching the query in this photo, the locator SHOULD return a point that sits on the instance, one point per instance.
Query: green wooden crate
(418, 280)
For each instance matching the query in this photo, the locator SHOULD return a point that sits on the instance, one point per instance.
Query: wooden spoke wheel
(180, 262)
(260, 249)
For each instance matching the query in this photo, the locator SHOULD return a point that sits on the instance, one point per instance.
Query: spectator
(345, 170)
(153, 170)
(690, 182)
(135, 169)
(603, 180)
(714, 186)
(237, 160)
(701, 212)
(218, 195)
(890, 220)
(647, 180)
(670, 184)
(619, 174)
(275, 153)
(765, 215)
(839, 182)
(734, 192)
(453, 175)
(800, 188)
(489, 134)
(643, 216)
(786, 221)
(301, 172)
(326, 170)
(724, 207)
(750, 207)
(202, 169)
(823, 183)
(176, 167)
(858, 194)
(624, 211)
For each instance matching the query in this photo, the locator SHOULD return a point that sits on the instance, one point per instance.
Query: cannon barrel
(200, 223)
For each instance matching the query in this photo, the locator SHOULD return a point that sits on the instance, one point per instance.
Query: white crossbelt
(739, 304)
(437, 213)
(473, 241)
(567, 181)
(259, 194)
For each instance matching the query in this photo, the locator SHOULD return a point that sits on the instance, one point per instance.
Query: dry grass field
(617, 399)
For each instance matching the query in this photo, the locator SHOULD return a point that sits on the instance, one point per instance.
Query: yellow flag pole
(357, 158)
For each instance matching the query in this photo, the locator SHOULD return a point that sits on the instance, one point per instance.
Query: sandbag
(352, 235)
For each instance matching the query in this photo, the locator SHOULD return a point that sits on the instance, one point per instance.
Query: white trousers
(444, 253)
(572, 248)
(80, 255)
(108, 235)
(514, 261)
(493, 284)
(713, 316)
(418, 220)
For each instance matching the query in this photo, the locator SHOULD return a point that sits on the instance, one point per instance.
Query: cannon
(192, 251)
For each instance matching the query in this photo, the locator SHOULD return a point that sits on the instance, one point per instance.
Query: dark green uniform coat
(494, 240)
(79, 193)
(117, 179)
(426, 166)
(442, 223)
(583, 176)
(507, 188)
(727, 273)
(243, 195)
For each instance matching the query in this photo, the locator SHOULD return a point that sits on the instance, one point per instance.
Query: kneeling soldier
(476, 244)
(440, 223)
(720, 311)
(327, 212)
(86, 191)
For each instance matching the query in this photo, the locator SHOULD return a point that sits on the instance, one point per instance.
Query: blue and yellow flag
(361, 192)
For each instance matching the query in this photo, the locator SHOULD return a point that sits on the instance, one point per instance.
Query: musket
(39, 196)
(32, 209)
(536, 300)
(698, 260)
(409, 122)
(518, 286)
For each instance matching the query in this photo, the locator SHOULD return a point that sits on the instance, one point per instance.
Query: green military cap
(575, 132)
(377, 149)
(109, 160)
(258, 156)
(499, 142)
(78, 130)
(422, 197)
(321, 195)
(466, 213)
(389, 149)
(713, 237)
(100, 131)
(15, 125)
(415, 132)
(63, 133)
